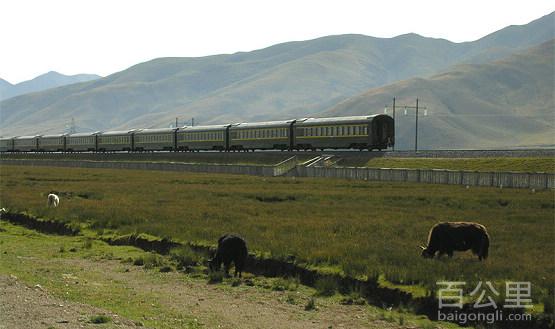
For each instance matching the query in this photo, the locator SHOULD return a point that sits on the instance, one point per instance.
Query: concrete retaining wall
(430, 176)
(163, 166)
(436, 176)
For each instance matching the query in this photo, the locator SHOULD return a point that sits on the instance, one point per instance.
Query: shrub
(87, 244)
(310, 305)
(97, 319)
(326, 286)
(353, 268)
(290, 299)
(282, 284)
(166, 269)
(152, 260)
(185, 256)
(215, 277)
(139, 261)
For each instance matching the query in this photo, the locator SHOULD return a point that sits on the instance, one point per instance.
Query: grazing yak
(53, 200)
(457, 236)
(231, 248)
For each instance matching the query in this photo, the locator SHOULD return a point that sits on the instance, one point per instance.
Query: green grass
(97, 319)
(35, 258)
(362, 228)
(474, 164)
(84, 276)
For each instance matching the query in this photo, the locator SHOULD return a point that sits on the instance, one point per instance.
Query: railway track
(273, 154)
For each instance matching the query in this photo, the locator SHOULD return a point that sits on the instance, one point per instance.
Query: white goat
(53, 200)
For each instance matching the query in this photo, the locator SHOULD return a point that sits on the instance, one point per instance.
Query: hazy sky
(106, 36)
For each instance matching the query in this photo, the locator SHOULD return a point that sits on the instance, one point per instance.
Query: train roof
(345, 120)
(267, 124)
(155, 130)
(84, 134)
(26, 137)
(204, 128)
(118, 132)
(53, 136)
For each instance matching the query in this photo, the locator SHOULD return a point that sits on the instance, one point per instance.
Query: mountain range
(493, 92)
(42, 82)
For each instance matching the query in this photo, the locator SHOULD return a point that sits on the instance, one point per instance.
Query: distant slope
(43, 82)
(293, 79)
(507, 103)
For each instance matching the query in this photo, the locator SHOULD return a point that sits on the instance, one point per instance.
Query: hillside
(507, 103)
(294, 79)
(43, 82)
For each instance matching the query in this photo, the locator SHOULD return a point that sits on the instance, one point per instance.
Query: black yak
(231, 248)
(457, 236)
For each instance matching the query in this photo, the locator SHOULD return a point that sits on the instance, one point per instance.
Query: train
(368, 132)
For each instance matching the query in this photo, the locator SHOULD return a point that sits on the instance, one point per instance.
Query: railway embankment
(294, 167)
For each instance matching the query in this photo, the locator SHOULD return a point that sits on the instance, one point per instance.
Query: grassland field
(525, 164)
(352, 227)
(109, 287)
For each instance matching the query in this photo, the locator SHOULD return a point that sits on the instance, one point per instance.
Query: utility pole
(192, 122)
(416, 108)
(416, 130)
(72, 128)
(176, 123)
(393, 147)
